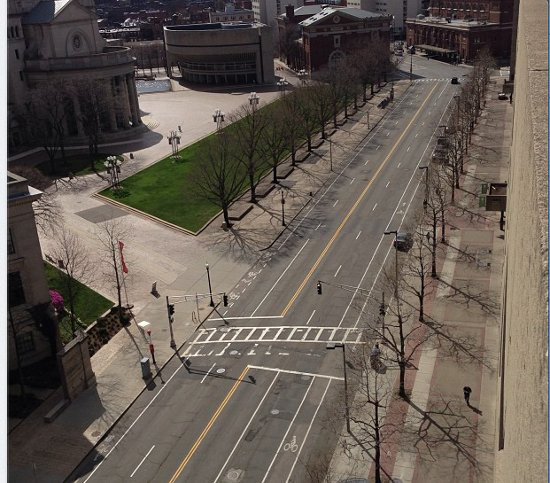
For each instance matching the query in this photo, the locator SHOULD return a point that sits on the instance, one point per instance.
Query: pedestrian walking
(467, 391)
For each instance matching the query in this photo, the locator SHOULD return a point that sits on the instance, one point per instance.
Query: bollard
(131, 155)
(145, 368)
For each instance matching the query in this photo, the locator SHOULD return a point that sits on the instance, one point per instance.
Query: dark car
(403, 241)
(454, 80)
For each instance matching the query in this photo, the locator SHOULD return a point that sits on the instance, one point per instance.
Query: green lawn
(89, 304)
(166, 189)
(78, 165)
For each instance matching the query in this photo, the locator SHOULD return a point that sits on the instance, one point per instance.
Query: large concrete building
(267, 11)
(522, 409)
(31, 325)
(49, 40)
(221, 53)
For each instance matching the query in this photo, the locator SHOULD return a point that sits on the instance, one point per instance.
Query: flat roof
(212, 26)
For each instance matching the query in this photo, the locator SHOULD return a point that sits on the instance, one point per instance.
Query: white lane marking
(244, 290)
(335, 203)
(300, 373)
(359, 151)
(318, 226)
(352, 180)
(375, 205)
(398, 164)
(133, 423)
(208, 373)
(387, 226)
(231, 304)
(387, 134)
(358, 235)
(247, 425)
(408, 149)
(223, 350)
(396, 123)
(423, 121)
(288, 430)
(387, 184)
(279, 279)
(225, 312)
(268, 351)
(378, 147)
(308, 430)
(366, 162)
(310, 317)
(247, 318)
(140, 463)
(284, 353)
(338, 270)
(416, 135)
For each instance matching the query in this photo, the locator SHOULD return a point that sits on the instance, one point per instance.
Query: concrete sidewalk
(435, 436)
(49, 452)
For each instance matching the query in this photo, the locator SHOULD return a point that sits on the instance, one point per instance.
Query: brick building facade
(458, 30)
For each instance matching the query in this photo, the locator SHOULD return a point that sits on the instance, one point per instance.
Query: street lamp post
(330, 151)
(254, 100)
(112, 164)
(411, 68)
(302, 76)
(218, 117)
(332, 346)
(174, 140)
(425, 202)
(394, 232)
(209, 284)
(281, 84)
(283, 206)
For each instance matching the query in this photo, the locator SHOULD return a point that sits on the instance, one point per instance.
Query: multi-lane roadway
(250, 406)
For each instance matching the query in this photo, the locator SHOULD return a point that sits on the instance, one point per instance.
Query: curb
(70, 477)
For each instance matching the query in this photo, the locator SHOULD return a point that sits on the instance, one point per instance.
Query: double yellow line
(354, 207)
(208, 426)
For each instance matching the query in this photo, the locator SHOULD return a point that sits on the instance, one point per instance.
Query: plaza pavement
(415, 450)
(176, 261)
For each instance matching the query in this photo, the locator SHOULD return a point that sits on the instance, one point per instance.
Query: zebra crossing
(439, 79)
(285, 333)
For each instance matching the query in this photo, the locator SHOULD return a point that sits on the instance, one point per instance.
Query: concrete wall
(522, 422)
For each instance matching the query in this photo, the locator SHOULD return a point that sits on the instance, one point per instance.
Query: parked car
(454, 80)
(403, 241)
(502, 96)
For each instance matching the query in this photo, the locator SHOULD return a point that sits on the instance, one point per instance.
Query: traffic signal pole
(170, 310)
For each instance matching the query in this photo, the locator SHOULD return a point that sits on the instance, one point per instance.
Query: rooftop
(45, 11)
(353, 13)
(451, 22)
(213, 26)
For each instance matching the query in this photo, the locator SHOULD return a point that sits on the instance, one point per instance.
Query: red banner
(124, 267)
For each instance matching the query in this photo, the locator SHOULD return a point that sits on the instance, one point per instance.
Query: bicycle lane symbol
(291, 445)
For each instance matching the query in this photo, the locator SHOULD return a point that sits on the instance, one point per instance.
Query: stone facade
(217, 54)
(29, 310)
(522, 410)
(53, 40)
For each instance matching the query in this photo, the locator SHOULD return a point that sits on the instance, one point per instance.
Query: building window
(21, 75)
(17, 31)
(336, 41)
(16, 295)
(12, 32)
(25, 343)
(16, 54)
(11, 246)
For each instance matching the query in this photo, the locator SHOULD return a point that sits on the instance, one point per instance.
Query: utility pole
(170, 310)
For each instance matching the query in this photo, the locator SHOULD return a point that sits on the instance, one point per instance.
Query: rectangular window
(17, 31)
(336, 41)
(16, 295)
(11, 246)
(25, 343)
(16, 54)
(21, 75)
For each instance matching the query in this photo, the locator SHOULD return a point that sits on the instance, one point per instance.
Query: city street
(250, 403)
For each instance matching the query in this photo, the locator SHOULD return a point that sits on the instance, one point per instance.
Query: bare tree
(109, 235)
(220, 179)
(290, 122)
(45, 115)
(363, 59)
(273, 145)
(95, 102)
(248, 125)
(307, 117)
(321, 105)
(73, 258)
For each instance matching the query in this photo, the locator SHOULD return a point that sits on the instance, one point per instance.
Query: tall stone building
(50, 40)
(522, 409)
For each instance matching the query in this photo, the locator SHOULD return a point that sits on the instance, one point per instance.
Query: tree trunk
(71, 305)
(293, 153)
(377, 464)
(118, 285)
(274, 171)
(364, 92)
(402, 364)
(309, 142)
(422, 294)
(434, 243)
(443, 239)
(252, 188)
(225, 210)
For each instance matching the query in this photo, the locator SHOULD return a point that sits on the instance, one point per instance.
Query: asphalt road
(251, 406)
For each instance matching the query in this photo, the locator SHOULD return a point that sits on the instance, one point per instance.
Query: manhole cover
(221, 370)
(234, 475)
(233, 353)
(274, 412)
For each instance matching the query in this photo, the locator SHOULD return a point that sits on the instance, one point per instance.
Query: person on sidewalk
(467, 391)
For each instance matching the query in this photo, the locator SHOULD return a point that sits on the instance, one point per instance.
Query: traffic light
(382, 310)
(171, 312)
(225, 300)
(319, 288)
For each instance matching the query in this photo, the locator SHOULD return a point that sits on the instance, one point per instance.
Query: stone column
(125, 101)
(113, 107)
(134, 105)
(78, 116)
